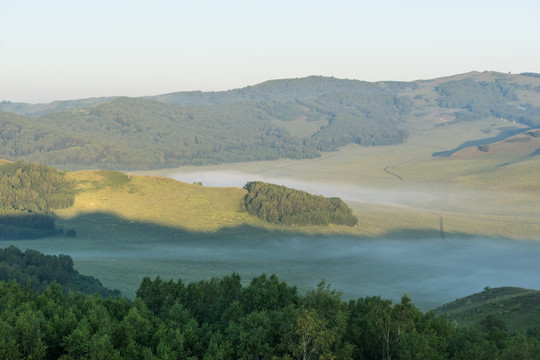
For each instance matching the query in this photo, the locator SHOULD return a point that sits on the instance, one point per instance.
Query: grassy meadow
(404, 190)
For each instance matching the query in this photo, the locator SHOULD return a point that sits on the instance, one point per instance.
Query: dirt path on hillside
(391, 173)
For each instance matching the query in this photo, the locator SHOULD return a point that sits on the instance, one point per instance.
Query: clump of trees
(28, 194)
(282, 205)
(483, 148)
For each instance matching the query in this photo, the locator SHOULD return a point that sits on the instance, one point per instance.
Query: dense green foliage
(37, 271)
(282, 205)
(479, 100)
(364, 119)
(223, 319)
(135, 133)
(28, 194)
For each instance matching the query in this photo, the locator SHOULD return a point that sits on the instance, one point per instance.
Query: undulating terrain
(441, 176)
(293, 118)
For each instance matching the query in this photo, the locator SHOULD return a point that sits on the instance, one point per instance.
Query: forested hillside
(498, 99)
(139, 134)
(37, 271)
(292, 118)
(28, 194)
(517, 308)
(222, 319)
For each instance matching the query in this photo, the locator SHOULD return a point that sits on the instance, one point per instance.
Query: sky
(73, 49)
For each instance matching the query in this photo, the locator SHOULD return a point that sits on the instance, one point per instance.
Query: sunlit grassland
(158, 200)
(112, 204)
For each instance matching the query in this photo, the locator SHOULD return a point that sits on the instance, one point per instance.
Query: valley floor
(403, 190)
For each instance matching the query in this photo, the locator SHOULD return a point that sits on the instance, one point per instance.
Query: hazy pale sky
(69, 49)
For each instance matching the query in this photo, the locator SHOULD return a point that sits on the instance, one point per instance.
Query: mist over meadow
(428, 196)
(431, 271)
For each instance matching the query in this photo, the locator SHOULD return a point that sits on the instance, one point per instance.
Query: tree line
(279, 204)
(28, 194)
(221, 318)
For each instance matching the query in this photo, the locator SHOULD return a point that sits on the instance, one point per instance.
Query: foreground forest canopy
(222, 319)
(28, 194)
(282, 205)
(294, 118)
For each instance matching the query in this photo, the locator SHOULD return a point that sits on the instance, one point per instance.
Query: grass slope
(159, 200)
(163, 203)
(111, 204)
(494, 194)
(519, 308)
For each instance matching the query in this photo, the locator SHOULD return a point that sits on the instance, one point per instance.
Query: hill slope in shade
(518, 308)
(522, 146)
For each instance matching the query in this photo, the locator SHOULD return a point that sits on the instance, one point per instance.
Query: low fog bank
(431, 271)
(404, 195)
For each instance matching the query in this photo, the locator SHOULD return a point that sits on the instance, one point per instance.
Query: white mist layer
(405, 195)
(431, 271)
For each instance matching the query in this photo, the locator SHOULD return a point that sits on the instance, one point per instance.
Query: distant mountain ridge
(271, 90)
(291, 118)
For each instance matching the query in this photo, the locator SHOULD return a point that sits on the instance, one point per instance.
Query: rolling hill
(291, 118)
(518, 308)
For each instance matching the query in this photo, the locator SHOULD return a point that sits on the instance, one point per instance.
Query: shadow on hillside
(26, 226)
(504, 134)
(105, 226)
(523, 158)
(534, 153)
